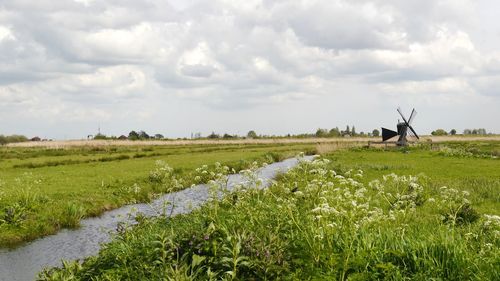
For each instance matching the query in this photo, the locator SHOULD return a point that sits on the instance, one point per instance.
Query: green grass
(43, 190)
(354, 215)
(480, 176)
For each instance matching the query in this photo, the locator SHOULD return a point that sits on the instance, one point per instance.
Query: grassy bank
(43, 190)
(353, 215)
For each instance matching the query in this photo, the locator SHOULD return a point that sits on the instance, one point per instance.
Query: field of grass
(358, 214)
(44, 189)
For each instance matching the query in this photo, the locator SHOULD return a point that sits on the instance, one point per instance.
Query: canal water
(23, 263)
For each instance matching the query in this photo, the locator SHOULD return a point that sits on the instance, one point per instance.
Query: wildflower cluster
(206, 173)
(491, 224)
(399, 192)
(454, 206)
(162, 172)
(461, 152)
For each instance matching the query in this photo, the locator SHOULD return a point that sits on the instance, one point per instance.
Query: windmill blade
(415, 133)
(412, 116)
(411, 134)
(388, 134)
(404, 119)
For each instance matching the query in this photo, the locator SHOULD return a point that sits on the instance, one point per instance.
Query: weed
(72, 214)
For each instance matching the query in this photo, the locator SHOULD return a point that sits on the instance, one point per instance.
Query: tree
(100, 136)
(12, 138)
(133, 135)
(321, 133)
(213, 135)
(439, 132)
(453, 132)
(159, 136)
(376, 133)
(143, 135)
(252, 134)
(334, 132)
(353, 131)
(346, 132)
(467, 132)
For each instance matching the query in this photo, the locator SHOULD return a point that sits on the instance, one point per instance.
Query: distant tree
(133, 135)
(453, 132)
(159, 136)
(12, 139)
(347, 131)
(376, 133)
(335, 132)
(228, 136)
(100, 136)
(143, 135)
(213, 135)
(353, 131)
(252, 135)
(467, 132)
(439, 132)
(321, 133)
(481, 131)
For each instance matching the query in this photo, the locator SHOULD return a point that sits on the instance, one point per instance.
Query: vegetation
(480, 131)
(439, 132)
(359, 214)
(43, 190)
(12, 138)
(252, 135)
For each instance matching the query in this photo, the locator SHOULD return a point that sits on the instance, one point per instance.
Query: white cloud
(134, 63)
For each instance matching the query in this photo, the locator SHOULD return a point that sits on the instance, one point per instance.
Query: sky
(179, 67)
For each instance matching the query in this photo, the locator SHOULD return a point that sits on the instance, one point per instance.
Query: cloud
(137, 62)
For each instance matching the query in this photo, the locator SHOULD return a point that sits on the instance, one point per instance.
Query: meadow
(419, 213)
(44, 189)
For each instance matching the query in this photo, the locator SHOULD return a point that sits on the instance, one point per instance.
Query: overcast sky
(276, 67)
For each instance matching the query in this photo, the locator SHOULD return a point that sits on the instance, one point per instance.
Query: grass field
(45, 189)
(359, 214)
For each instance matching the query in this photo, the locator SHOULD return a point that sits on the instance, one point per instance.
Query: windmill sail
(388, 134)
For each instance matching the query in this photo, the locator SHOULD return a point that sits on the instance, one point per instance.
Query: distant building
(35, 139)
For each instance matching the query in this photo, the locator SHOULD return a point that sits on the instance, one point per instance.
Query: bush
(439, 132)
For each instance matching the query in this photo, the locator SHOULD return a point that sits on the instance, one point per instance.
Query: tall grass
(314, 223)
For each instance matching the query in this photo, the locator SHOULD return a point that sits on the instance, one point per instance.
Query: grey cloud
(198, 70)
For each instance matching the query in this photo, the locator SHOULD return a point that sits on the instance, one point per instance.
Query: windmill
(403, 131)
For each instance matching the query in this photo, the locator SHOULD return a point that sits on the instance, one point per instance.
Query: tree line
(442, 132)
(349, 131)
